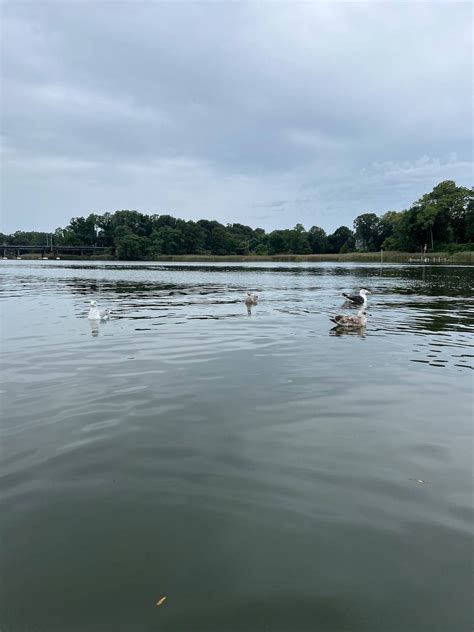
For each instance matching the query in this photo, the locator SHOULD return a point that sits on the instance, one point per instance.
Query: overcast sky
(267, 113)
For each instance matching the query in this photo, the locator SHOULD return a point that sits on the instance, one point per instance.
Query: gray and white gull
(98, 314)
(357, 299)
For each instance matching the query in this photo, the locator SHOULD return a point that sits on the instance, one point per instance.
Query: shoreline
(464, 257)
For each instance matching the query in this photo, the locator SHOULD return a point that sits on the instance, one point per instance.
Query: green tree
(220, 241)
(443, 218)
(82, 231)
(341, 240)
(105, 225)
(406, 235)
(159, 221)
(137, 223)
(318, 240)
(171, 240)
(194, 238)
(259, 242)
(207, 227)
(261, 250)
(469, 219)
(368, 229)
(426, 219)
(298, 240)
(129, 246)
(278, 242)
(28, 238)
(155, 245)
(388, 225)
(443, 214)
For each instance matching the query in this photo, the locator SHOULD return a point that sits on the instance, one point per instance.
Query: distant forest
(441, 220)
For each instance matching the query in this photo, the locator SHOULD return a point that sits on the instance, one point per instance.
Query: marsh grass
(464, 257)
(356, 257)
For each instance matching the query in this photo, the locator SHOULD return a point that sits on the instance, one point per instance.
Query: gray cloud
(319, 110)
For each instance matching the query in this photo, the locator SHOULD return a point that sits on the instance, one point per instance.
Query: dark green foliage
(31, 238)
(439, 218)
(298, 240)
(442, 218)
(129, 246)
(368, 229)
(317, 239)
(82, 231)
(342, 240)
(278, 242)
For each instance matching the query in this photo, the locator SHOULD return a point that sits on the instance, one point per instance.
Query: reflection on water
(250, 308)
(254, 464)
(344, 331)
(94, 325)
(431, 303)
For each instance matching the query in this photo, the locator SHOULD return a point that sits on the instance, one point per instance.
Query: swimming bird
(251, 299)
(98, 314)
(351, 322)
(357, 299)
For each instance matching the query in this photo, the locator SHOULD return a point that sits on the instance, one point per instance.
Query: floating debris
(161, 601)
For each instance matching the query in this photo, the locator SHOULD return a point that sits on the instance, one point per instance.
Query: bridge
(54, 251)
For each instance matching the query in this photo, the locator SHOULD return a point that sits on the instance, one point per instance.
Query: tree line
(440, 220)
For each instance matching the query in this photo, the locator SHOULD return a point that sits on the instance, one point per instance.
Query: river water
(261, 471)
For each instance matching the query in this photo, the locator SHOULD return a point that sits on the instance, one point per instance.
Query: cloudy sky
(265, 113)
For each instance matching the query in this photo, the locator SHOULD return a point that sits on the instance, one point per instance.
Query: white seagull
(357, 299)
(98, 314)
(251, 299)
(351, 322)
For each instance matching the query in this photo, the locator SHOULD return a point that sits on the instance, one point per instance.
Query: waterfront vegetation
(440, 222)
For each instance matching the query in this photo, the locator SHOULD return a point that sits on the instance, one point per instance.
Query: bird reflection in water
(94, 325)
(344, 331)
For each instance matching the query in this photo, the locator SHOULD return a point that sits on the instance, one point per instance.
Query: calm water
(261, 471)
